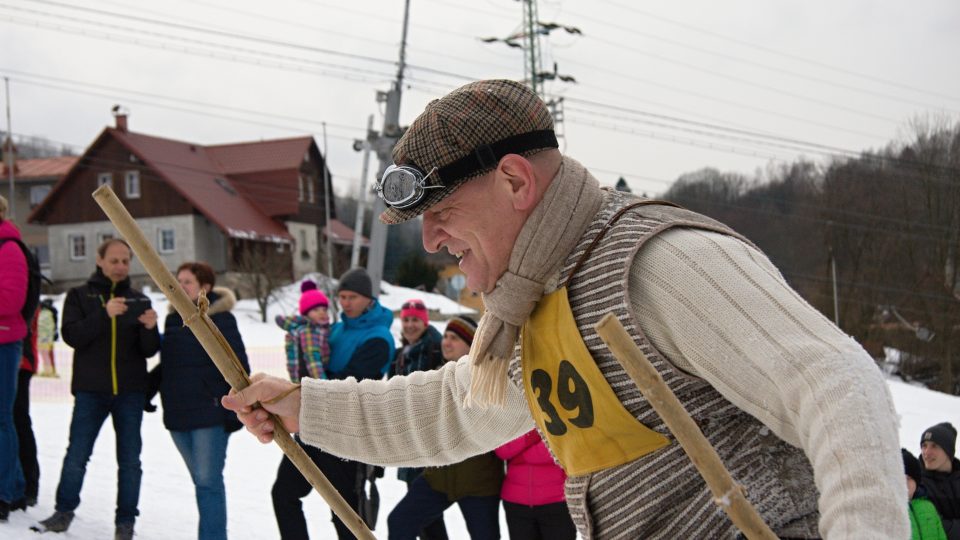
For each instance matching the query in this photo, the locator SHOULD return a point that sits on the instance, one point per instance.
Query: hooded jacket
(190, 383)
(110, 355)
(13, 286)
(533, 479)
(362, 347)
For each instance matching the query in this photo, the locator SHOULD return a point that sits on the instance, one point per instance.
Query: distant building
(33, 180)
(223, 204)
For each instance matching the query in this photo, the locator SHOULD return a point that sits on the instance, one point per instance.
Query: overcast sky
(662, 88)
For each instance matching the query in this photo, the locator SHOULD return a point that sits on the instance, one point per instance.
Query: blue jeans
(205, 452)
(11, 475)
(90, 410)
(422, 505)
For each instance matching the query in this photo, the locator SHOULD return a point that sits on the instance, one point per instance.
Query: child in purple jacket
(532, 491)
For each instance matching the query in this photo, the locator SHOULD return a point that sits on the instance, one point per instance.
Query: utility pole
(533, 65)
(384, 147)
(362, 195)
(533, 73)
(8, 155)
(326, 207)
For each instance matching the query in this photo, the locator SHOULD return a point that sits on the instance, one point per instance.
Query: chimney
(120, 116)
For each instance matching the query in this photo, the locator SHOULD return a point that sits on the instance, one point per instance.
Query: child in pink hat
(308, 334)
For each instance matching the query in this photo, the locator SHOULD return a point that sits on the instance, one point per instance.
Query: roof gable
(191, 171)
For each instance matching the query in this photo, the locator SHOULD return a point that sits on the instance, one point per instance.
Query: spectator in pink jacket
(532, 492)
(13, 292)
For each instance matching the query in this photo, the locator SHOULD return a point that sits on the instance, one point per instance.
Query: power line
(781, 53)
(634, 31)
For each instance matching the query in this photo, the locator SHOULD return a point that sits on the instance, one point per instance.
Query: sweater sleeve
(718, 309)
(415, 420)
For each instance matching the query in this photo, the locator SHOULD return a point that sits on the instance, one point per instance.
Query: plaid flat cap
(465, 133)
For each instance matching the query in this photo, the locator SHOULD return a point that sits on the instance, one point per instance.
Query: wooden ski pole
(726, 493)
(221, 353)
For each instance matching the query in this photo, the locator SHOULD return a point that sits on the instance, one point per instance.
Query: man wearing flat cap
(796, 410)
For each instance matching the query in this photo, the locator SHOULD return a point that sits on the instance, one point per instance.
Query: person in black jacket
(113, 331)
(940, 474)
(190, 390)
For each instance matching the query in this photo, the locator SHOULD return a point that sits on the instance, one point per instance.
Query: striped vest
(661, 495)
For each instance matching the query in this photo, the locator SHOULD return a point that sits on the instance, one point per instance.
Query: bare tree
(261, 268)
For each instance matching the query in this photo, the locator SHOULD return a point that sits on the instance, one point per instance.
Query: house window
(37, 194)
(310, 190)
(103, 237)
(78, 247)
(300, 186)
(105, 179)
(166, 240)
(132, 184)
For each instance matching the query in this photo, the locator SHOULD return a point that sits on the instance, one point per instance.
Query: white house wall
(64, 269)
(210, 244)
(300, 232)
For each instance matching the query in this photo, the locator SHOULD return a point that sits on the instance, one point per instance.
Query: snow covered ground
(167, 504)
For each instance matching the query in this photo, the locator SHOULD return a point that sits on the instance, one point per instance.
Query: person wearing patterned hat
(940, 474)
(782, 393)
(473, 484)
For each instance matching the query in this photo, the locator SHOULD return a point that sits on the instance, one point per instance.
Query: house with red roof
(32, 181)
(223, 204)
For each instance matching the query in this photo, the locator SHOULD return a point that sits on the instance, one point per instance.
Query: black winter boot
(124, 531)
(4, 511)
(58, 522)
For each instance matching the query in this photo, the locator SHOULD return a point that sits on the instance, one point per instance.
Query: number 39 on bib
(586, 426)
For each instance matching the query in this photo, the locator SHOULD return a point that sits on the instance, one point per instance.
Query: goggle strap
(488, 155)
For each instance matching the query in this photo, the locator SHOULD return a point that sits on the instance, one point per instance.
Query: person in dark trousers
(361, 347)
(13, 294)
(533, 491)
(940, 474)
(419, 351)
(21, 417)
(787, 398)
(189, 386)
(113, 331)
(473, 484)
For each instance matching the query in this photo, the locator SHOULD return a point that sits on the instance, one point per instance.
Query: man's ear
(519, 177)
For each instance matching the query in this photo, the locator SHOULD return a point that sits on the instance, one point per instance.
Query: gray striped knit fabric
(662, 495)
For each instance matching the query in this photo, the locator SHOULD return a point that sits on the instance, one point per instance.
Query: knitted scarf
(546, 239)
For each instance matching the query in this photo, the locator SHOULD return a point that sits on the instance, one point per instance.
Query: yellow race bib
(586, 426)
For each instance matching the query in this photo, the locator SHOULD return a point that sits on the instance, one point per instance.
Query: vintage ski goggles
(402, 186)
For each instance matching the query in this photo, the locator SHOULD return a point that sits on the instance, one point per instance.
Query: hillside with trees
(879, 232)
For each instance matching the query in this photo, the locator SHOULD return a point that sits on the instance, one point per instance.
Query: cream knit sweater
(714, 307)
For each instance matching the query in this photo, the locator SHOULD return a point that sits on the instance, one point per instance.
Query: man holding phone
(113, 330)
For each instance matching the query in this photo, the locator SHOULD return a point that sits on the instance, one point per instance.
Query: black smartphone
(136, 306)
